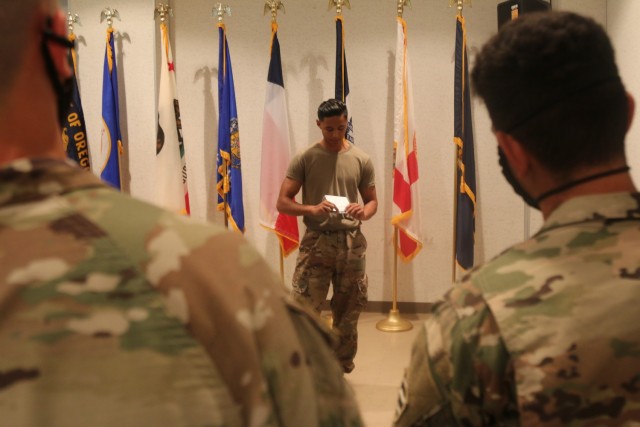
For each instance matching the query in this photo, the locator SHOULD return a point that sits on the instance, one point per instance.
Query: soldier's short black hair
(332, 108)
(550, 80)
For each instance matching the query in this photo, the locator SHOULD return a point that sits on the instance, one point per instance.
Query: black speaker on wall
(511, 9)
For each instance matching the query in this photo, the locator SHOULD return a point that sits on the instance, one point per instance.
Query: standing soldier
(333, 247)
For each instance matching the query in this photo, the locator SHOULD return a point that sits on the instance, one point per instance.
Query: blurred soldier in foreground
(547, 333)
(116, 313)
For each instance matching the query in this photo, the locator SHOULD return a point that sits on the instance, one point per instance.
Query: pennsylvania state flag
(74, 132)
(229, 173)
(111, 141)
(342, 76)
(466, 164)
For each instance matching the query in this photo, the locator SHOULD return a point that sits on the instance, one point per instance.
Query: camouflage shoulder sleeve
(459, 371)
(335, 400)
(173, 321)
(277, 365)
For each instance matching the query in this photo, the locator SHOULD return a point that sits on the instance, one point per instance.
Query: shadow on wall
(210, 137)
(479, 246)
(315, 88)
(125, 172)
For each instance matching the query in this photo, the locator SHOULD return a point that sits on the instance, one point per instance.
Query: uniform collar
(598, 207)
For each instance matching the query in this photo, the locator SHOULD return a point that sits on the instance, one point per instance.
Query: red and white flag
(275, 154)
(171, 170)
(406, 202)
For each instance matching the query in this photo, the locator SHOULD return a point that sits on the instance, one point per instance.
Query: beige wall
(307, 38)
(622, 23)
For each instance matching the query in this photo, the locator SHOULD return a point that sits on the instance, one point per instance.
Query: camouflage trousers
(336, 257)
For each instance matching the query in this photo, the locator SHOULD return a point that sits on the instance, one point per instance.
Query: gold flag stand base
(394, 323)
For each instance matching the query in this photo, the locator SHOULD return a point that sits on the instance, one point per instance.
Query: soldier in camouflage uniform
(333, 247)
(116, 313)
(547, 333)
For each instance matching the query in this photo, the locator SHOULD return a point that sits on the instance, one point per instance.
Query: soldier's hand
(355, 211)
(323, 208)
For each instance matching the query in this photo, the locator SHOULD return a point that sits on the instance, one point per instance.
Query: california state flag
(171, 170)
(406, 202)
(275, 153)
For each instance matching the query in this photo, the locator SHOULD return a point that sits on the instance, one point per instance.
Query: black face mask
(534, 203)
(63, 89)
(511, 179)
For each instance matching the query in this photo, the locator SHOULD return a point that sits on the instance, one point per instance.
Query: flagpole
(394, 322)
(109, 14)
(272, 6)
(338, 5)
(456, 182)
(281, 264)
(219, 10)
(72, 19)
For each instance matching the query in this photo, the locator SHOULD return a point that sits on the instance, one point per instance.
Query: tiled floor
(380, 363)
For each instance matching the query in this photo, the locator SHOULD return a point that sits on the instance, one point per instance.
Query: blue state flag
(229, 172)
(74, 132)
(466, 163)
(111, 141)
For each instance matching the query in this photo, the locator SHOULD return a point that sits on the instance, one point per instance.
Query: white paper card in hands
(340, 202)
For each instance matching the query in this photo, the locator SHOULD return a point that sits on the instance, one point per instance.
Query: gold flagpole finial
(401, 5)
(273, 6)
(459, 4)
(338, 5)
(162, 11)
(72, 19)
(109, 14)
(219, 10)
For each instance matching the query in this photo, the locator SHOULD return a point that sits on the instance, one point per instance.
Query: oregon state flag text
(111, 141)
(275, 153)
(406, 196)
(229, 173)
(342, 76)
(171, 169)
(466, 164)
(74, 132)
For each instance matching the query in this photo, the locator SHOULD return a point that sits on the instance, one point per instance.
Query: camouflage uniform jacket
(546, 334)
(116, 313)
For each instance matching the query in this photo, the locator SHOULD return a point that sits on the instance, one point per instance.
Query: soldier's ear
(519, 159)
(631, 110)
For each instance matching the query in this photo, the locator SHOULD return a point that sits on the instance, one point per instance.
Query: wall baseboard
(383, 307)
(403, 307)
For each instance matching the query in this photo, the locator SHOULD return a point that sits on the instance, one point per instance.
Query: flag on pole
(110, 142)
(342, 77)
(466, 164)
(275, 153)
(229, 173)
(171, 168)
(74, 132)
(406, 197)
